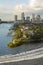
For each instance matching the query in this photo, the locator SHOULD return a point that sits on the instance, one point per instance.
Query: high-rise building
(28, 18)
(16, 17)
(0, 19)
(33, 18)
(38, 18)
(22, 16)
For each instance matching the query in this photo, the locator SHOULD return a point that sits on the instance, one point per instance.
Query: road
(23, 58)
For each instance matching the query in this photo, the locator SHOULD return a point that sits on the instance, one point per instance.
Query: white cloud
(5, 9)
(35, 6)
(6, 13)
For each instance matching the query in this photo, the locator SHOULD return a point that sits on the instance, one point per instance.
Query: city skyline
(11, 7)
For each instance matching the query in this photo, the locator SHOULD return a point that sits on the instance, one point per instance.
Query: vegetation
(10, 44)
(23, 38)
(38, 34)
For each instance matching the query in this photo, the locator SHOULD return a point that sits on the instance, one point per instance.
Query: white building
(33, 18)
(38, 19)
(15, 17)
(22, 16)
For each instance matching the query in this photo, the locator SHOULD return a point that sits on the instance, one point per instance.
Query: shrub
(17, 43)
(18, 34)
(25, 38)
(10, 44)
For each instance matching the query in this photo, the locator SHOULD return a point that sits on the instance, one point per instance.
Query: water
(4, 39)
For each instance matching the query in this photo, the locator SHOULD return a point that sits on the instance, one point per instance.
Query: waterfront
(24, 54)
(4, 39)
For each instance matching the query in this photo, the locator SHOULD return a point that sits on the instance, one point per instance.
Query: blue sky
(8, 8)
(5, 4)
(12, 3)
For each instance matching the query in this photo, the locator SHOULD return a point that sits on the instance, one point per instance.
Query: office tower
(22, 16)
(16, 17)
(0, 19)
(38, 18)
(28, 18)
(33, 18)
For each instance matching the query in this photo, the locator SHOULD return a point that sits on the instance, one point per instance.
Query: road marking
(28, 55)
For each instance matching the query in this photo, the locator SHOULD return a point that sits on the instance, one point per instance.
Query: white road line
(33, 54)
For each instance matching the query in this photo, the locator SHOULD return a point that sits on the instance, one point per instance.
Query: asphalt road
(38, 61)
(34, 57)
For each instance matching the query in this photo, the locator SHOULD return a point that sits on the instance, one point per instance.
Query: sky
(9, 8)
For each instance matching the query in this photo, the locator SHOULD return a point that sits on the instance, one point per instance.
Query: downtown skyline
(8, 8)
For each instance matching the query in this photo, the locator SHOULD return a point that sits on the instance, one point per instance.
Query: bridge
(23, 58)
